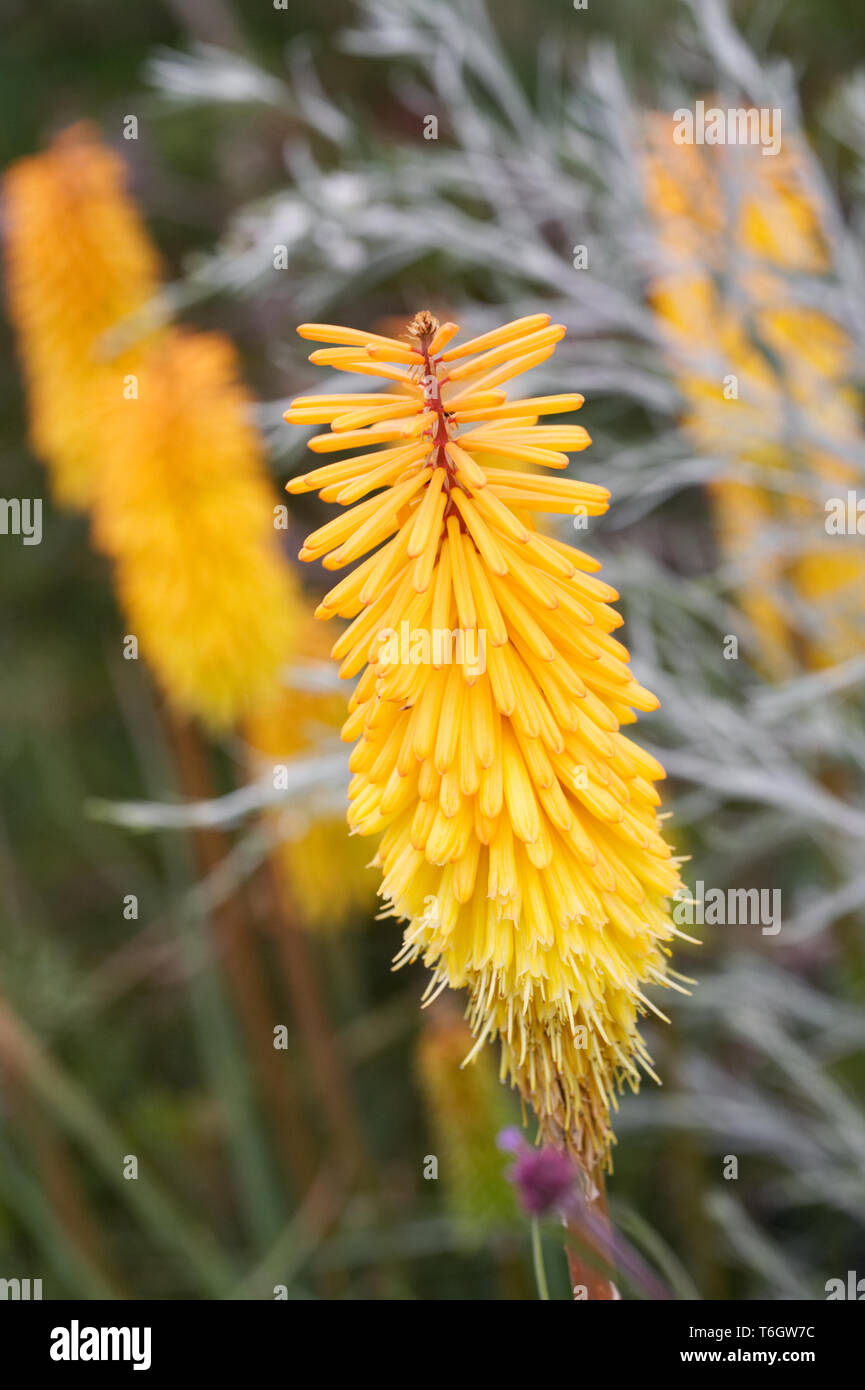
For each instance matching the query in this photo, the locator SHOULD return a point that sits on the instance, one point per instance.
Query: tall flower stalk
(742, 249)
(516, 824)
(185, 513)
(79, 262)
(150, 429)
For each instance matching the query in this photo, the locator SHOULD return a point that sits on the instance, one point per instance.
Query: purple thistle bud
(545, 1179)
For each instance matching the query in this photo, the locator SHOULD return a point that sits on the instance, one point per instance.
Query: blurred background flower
(79, 264)
(162, 996)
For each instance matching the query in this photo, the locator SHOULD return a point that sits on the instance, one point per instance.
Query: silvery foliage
(768, 777)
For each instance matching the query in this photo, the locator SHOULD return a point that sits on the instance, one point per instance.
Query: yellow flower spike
(185, 512)
(322, 869)
(517, 827)
(767, 235)
(64, 299)
(148, 428)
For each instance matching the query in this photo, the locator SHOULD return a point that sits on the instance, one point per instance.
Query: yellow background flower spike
(185, 513)
(149, 428)
(517, 828)
(325, 871)
(78, 263)
(726, 280)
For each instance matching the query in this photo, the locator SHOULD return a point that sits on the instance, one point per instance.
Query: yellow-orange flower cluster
(185, 512)
(149, 428)
(765, 377)
(78, 264)
(517, 824)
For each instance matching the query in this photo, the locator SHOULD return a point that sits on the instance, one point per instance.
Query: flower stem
(585, 1272)
(538, 1261)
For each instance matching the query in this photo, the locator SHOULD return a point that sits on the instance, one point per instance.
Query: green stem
(538, 1260)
